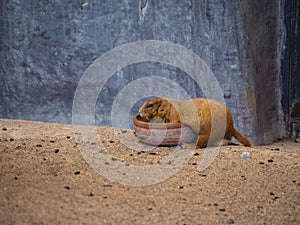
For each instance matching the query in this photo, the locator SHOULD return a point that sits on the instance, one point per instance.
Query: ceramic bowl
(162, 134)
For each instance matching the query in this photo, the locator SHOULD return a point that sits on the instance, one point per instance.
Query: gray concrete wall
(46, 46)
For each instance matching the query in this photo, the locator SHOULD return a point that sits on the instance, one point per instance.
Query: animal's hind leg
(225, 142)
(202, 141)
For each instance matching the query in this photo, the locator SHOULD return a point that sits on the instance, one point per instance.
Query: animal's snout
(142, 115)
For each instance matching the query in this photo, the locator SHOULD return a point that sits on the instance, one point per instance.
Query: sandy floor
(44, 179)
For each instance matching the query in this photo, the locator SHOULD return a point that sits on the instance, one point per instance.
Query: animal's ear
(163, 106)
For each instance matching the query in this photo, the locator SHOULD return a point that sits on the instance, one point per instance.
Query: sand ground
(44, 179)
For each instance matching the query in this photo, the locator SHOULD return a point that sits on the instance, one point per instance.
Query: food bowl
(162, 134)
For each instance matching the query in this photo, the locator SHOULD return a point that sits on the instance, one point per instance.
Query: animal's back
(209, 118)
(200, 113)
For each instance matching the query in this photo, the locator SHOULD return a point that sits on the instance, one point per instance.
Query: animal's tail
(241, 138)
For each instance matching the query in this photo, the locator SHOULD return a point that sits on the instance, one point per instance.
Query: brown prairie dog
(196, 113)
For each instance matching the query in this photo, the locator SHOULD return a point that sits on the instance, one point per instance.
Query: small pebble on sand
(245, 155)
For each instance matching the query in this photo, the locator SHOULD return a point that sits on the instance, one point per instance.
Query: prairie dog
(196, 113)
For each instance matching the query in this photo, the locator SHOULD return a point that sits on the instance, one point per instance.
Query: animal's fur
(199, 114)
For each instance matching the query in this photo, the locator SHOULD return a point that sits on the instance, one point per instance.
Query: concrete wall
(46, 46)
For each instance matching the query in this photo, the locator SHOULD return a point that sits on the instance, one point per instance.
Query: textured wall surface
(46, 46)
